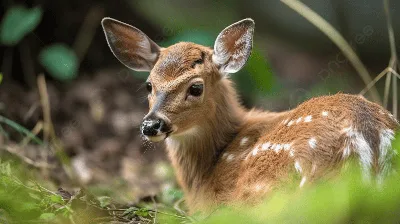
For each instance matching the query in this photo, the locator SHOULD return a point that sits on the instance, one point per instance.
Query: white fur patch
(230, 157)
(244, 141)
(278, 148)
(386, 152)
(265, 146)
(255, 150)
(303, 180)
(291, 153)
(308, 118)
(290, 123)
(258, 187)
(286, 146)
(285, 121)
(299, 120)
(312, 143)
(356, 142)
(324, 113)
(297, 166)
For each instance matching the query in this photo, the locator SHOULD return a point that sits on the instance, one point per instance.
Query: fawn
(225, 154)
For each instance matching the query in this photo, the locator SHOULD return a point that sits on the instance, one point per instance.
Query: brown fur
(221, 123)
(219, 149)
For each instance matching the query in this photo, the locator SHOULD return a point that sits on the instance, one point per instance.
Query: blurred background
(55, 51)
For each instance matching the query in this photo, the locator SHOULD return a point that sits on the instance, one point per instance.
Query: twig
(21, 129)
(177, 204)
(155, 208)
(87, 31)
(376, 79)
(44, 101)
(48, 129)
(393, 54)
(27, 160)
(35, 131)
(337, 38)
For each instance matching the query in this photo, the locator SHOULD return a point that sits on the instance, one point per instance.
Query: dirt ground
(97, 119)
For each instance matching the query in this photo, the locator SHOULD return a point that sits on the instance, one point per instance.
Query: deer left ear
(233, 46)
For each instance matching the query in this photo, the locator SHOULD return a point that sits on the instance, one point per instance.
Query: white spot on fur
(299, 120)
(224, 155)
(314, 168)
(265, 146)
(273, 146)
(303, 180)
(285, 121)
(381, 112)
(312, 142)
(291, 153)
(255, 150)
(297, 166)
(286, 146)
(258, 187)
(290, 123)
(324, 113)
(278, 148)
(308, 118)
(230, 157)
(244, 141)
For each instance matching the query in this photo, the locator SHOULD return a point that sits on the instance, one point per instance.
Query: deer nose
(152, 127)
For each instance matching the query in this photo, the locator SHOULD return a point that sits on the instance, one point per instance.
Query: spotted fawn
(225, 154)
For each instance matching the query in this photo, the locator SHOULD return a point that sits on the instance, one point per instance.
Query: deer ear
(130, 45)
(233, 46)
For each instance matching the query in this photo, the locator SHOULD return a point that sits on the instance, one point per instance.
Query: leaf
(1, 77)
(143, 212)
(60, 61)
(17, 22)
(47, 216)
(35, 196)
(104, 201)
(56, 199)
(130, 212)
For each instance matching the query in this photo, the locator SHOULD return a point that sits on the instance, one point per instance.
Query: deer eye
(196, 89)
(149, 87)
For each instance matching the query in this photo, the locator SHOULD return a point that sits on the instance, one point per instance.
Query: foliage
(17, 22)
(60, 61)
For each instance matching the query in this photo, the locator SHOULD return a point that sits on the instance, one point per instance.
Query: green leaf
(56, 199)
(17, 22)
(60, 61)
(47, 216)
(130, 212)
(104, 201)
(1, 77)
(143, 212)
(35, 196)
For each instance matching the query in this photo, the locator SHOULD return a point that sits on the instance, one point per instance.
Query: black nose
(151, 127)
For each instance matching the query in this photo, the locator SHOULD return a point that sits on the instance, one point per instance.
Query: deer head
(184, 85)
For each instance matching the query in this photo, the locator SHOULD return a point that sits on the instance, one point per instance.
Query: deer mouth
(159, 137)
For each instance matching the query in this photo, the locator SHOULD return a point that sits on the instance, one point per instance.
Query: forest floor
(95, 149)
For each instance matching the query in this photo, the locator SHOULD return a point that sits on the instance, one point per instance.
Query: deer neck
(195, 152)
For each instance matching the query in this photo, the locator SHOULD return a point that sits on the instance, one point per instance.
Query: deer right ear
(233, 46)
(130, 45)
